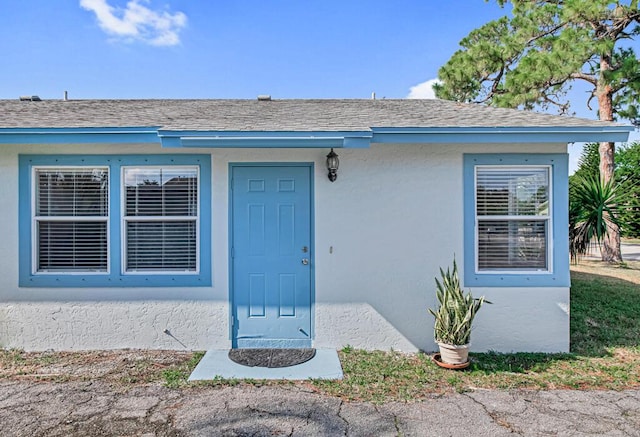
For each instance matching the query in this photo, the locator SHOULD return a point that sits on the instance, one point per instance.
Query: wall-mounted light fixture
(332, 165)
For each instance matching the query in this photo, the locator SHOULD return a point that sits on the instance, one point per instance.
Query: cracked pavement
(98, 409)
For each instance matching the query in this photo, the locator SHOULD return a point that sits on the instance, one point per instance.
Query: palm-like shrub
(456, 311)
(593, 212)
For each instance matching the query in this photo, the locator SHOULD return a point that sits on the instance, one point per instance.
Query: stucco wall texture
(382, 230)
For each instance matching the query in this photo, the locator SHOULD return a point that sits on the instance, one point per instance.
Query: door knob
(305, 261)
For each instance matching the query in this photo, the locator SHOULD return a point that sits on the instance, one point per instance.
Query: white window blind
(161, 219)
(512, 218)
(71, 216)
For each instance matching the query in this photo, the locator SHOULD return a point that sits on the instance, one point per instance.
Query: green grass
(605, 314)
(177, 376)
(605, 354)
(384, 376)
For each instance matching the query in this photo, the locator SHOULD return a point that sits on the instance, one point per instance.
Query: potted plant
(454, 318)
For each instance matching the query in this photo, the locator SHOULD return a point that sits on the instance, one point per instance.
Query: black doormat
(271, 357)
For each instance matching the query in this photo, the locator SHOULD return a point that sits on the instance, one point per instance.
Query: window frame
(116, 276)
(557, 272)
(548, 219)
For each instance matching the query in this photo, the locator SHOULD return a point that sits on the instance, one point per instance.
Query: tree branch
(545, 33)
(593, 94)
(586, 77)
(563, 107)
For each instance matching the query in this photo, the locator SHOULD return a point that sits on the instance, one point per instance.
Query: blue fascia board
(500, 134)
(265, 139)
(312, 139)
(112, 135)
(261, 142)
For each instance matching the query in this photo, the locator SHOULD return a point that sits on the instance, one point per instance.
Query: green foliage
(593, 210)
(173, 378)
(588, 164)
(532, 58)
(455, 314)
(628, 176)
(626, 78)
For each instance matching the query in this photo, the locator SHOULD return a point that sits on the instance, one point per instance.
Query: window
(516, 220)
(512, 218)
(106, 221)
(161, 219)
(71, 218)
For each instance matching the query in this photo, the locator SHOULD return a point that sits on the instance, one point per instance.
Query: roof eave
(85, 135)
(314, 139)
(508, 134)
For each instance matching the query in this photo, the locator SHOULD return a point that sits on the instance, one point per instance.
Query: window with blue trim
(516, 220)
(160, 219)
(96, 220)
(512, 218)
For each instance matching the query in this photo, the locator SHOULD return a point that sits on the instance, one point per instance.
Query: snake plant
(456, 311)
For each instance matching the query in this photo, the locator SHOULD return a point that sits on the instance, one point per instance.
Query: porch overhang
(242, 139)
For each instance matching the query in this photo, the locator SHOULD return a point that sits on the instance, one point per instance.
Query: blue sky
(231, 49)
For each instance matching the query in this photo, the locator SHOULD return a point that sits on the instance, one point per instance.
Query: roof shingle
(273, 115)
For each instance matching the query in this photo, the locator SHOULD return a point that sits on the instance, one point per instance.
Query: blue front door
(271, 254)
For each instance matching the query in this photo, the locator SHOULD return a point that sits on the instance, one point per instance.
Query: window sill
(96, 280)
(518, 280)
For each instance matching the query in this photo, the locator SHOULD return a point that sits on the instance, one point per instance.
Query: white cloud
(423, 90)
(136, 22)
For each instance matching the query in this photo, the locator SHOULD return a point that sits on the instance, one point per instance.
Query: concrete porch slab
(216, 363)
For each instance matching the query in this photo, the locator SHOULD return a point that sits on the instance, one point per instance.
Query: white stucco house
(204, 224)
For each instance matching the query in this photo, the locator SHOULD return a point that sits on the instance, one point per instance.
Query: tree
(593, 210)
(588, 164)
(532, 59)
(628, 175)
(589, 200)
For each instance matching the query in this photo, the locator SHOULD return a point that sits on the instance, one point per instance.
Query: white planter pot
(453, 354)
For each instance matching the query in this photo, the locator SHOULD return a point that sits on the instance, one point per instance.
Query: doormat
(271, 358)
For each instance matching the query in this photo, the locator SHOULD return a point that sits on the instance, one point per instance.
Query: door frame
(312, 270)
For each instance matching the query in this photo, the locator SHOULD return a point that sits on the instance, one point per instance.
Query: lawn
(605, 354)
(605, 350)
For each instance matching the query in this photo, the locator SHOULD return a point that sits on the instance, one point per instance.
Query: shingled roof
(273, 115)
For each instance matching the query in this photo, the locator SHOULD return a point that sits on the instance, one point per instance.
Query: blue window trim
(115, 278)
(558, 276)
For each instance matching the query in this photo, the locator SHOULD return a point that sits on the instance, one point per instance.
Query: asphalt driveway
(98, 409)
